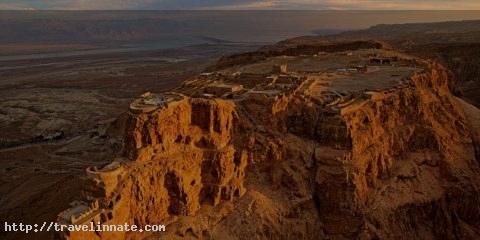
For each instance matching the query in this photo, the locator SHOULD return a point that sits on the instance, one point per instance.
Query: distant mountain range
(403, 35)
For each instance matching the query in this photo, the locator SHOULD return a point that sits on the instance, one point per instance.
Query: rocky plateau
(325, 140)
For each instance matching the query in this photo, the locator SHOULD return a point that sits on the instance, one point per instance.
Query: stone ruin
(99, 182)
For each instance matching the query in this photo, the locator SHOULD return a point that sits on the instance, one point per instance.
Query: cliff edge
(347, 141)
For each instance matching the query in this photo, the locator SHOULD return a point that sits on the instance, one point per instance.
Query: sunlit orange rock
(321, 149)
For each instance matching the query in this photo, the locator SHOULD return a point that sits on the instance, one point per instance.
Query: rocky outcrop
(462, 59)
(306, 157)
(411, 150)
(430, 119)
(389, 165)
(180, 156)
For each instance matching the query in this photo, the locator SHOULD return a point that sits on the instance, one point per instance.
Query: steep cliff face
(421, 117)
(300, 155)
(462, 59)
(412, 170)
(392, 164)
(180, 156)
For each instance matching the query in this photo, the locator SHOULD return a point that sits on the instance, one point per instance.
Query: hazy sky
(242, 4)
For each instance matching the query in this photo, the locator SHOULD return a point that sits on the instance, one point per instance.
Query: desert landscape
(59, 113)
(364, 134)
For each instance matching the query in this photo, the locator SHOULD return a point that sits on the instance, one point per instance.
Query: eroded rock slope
(353, 141)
